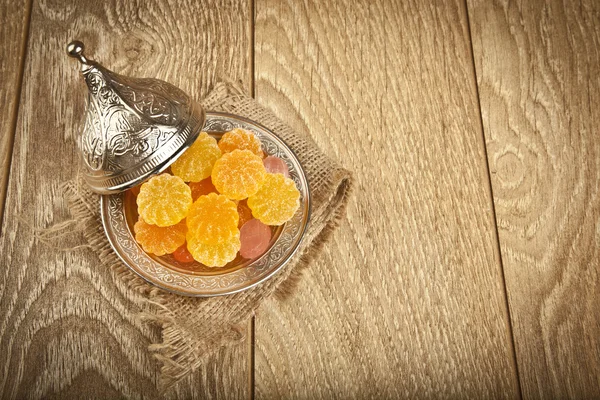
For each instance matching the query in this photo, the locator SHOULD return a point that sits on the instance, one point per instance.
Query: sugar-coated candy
(277, 200)
(197, 162)
(240, 139)
(255, 238)
(159, 240)
(164, 200)
(276, 165)
(216, 254)
(238, 174)
(213, 218)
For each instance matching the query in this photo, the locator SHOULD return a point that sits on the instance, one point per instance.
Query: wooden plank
(63, 334)
(408, 300)
(538, 72)
(14, 24)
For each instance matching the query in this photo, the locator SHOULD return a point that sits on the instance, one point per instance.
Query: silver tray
(194, 279)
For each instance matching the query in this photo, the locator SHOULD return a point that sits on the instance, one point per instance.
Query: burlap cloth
(193, 328)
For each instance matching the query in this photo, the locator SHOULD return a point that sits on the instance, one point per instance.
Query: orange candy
(277, 200)
(135, 190)
(183, 255)
(164, 200)
(240, 139)
(197, 162)
(244, 212)
(159, 241)
(213, 218)
(238, 174)
(201, 188)
(216, 254)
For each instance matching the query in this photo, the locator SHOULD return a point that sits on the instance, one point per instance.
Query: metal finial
(75, 49)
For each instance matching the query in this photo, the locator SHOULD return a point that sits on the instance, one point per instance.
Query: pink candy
(276, 165)
(255, 238)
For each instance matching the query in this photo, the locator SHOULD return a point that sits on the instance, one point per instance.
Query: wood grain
(64, 331)
(408, 299)
(538, 72)
(14, 24)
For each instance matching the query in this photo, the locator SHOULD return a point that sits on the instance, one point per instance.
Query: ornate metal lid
(134, 128)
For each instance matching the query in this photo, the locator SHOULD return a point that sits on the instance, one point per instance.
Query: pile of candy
(220, 201)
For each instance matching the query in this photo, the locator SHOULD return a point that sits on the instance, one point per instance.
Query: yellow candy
(157, 240)
(164, 200)
(213, 218)
(240, 139)
(277, 200)
(197, 162)
(238, 174)
(213, 255)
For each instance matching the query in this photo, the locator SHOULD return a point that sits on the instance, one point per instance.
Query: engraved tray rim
(191, 284)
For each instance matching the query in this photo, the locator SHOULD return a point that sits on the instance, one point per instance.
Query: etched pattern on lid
(134, 127)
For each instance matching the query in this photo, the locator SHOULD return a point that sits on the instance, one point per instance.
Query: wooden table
(469, 261)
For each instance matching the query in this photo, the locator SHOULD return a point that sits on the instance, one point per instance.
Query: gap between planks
(14, 117)
(252, 322)
(493, 205)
